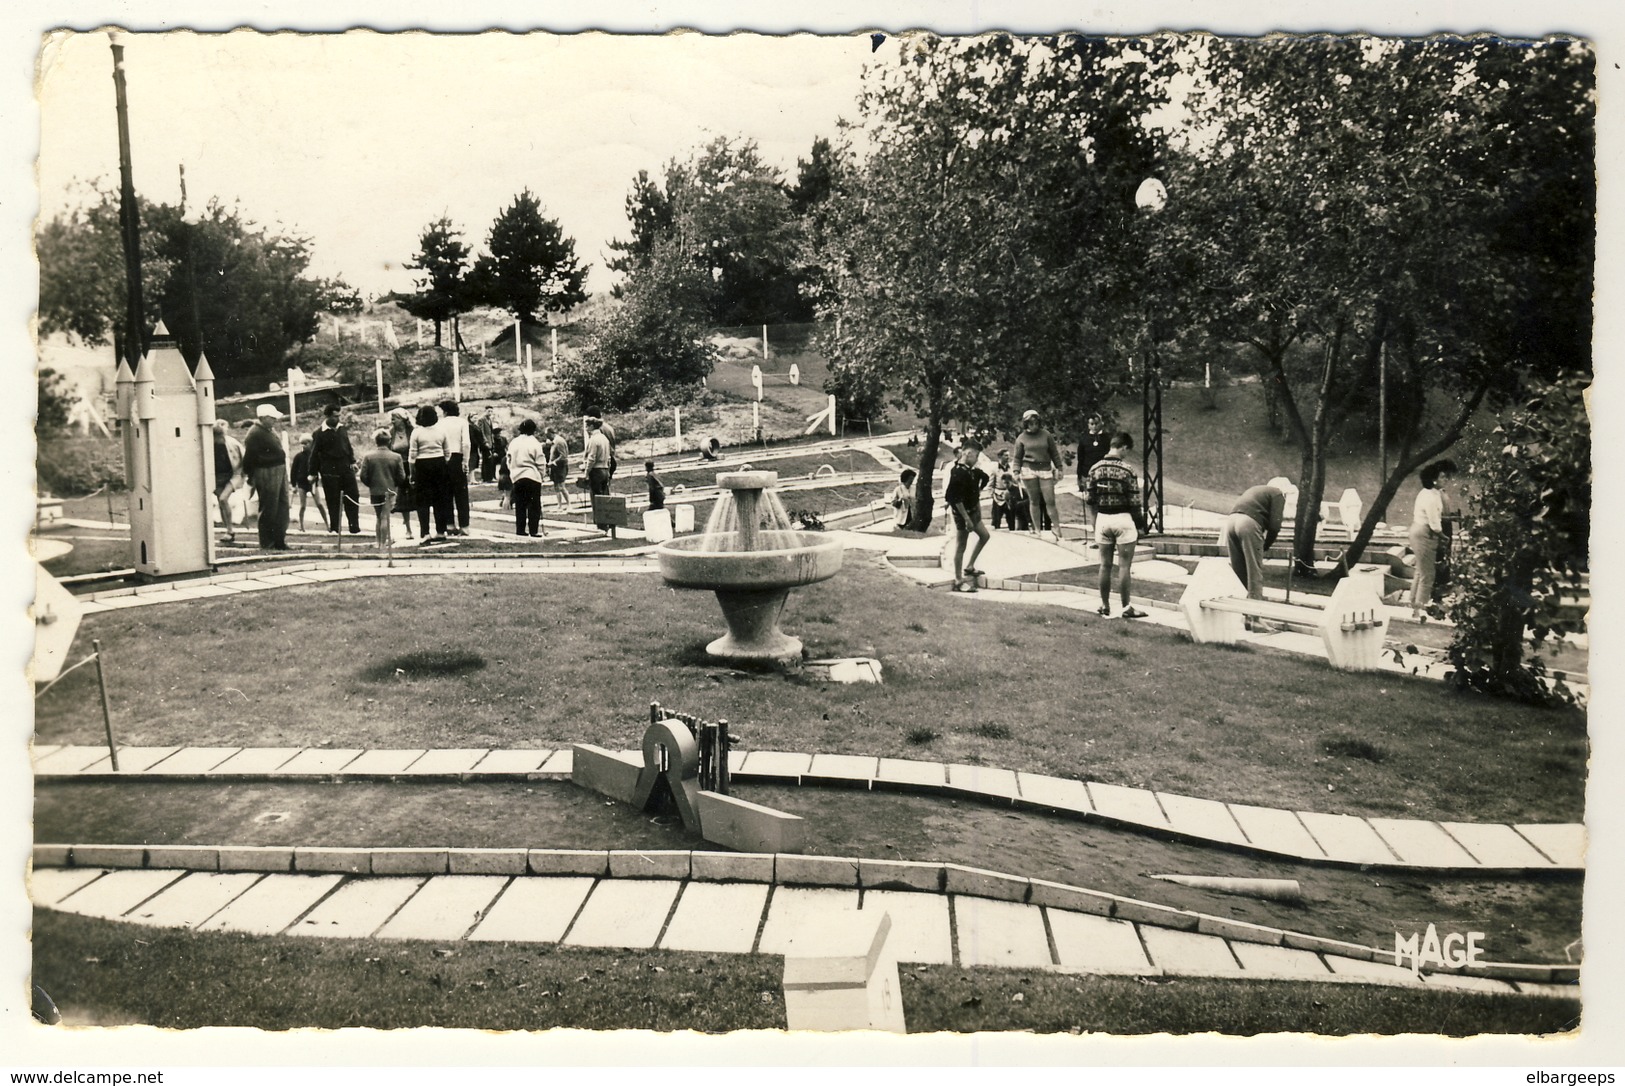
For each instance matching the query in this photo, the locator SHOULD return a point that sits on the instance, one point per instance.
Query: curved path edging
(1306, 836)
(736, 902)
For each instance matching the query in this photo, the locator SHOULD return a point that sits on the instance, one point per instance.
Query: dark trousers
(527, 506)
(340, 489)
(1005, 513)
(271, 484)
(458, 478)
(431, 482)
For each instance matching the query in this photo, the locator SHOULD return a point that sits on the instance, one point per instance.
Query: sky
(359, 140)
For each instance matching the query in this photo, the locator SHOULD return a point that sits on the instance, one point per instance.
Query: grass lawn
(103, 973)
(561, 659)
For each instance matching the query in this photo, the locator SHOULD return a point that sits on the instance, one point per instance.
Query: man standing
(332, 460)
(1254, 523)
(455, 429)
(1091, 450)
(486, 425)
(596, 460)
(265, 462)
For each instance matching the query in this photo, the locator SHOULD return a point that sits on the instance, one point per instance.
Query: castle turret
(171, 528)
(203, 378)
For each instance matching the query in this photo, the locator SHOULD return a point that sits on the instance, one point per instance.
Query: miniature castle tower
(166, 421)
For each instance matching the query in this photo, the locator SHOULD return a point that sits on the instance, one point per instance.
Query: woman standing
(527, 464)
(1038, 458)
(431, 474)
(1114, 495)
(400, 443)
(1427, 528)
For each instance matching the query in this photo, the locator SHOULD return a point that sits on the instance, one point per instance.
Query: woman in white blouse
(1427, 527)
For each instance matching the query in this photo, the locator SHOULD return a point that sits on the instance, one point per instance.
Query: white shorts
(1115, 528)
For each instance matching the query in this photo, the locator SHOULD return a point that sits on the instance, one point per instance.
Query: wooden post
(530, 377)
(676, 426)
(518, 358)
(107, 710)
(378, 375)
(554, 333)
(456, 376)
(722, 755)
(129, 217)
(764, 343)
(292, 411)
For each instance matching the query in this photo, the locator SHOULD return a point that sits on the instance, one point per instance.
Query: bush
(1523, 543)
(55, 402)
(437, 371)
(74, 466)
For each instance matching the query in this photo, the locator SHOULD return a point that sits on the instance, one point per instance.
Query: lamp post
(1150, 198)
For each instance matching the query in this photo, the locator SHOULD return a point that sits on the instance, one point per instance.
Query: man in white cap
(265, 463)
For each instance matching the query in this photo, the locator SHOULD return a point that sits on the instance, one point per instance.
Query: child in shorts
(964, 499)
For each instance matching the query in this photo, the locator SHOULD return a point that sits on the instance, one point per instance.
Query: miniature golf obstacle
(685, 764)
(751, 557)
(1351, 625)
(841, 974)
(1269, 889)
(757, 377)
(166, 427)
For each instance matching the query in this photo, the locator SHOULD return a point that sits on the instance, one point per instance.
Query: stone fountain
(751, 557)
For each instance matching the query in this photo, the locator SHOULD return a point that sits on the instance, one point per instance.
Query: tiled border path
(1307, 836)
(714, 903)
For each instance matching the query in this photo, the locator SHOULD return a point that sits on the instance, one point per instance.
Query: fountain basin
(780, 560)
(751, 558)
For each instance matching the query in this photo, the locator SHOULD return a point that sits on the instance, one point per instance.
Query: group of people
(1023, 492)
(421, 464)
(1023, 496)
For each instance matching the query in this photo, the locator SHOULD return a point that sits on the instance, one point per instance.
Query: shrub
(1523, 543)
(74, 466)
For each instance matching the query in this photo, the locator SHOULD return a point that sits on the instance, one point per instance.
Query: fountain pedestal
(753, 626)
(751, 569)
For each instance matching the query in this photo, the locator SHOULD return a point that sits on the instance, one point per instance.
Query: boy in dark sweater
(964, 498)
(383, 474)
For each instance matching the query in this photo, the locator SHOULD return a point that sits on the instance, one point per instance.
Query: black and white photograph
(979, 543)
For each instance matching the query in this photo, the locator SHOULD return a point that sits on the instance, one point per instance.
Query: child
(301, 481)
(383, 473)
(964, 497)
(902, 498)
(1004, 505)
(657, 489)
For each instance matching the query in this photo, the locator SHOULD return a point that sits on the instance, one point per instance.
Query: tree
(225, 286)
(652, 343)
(975, 250)
(1524, 543)
(531, 267)
(649, 212)
(443, 291)
(1349, 205)
(81, 260)
(731, 212)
